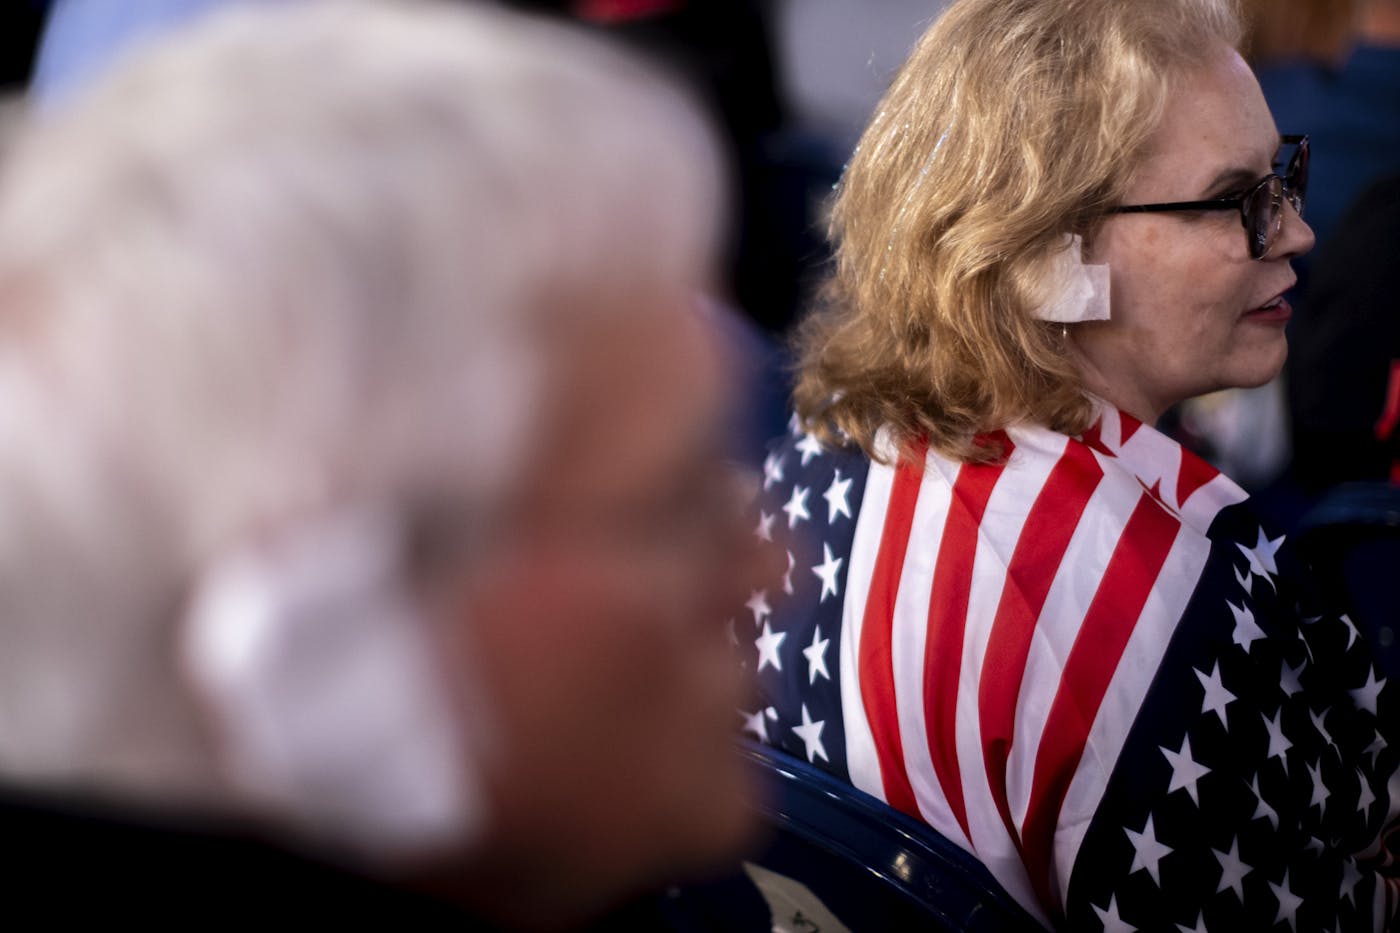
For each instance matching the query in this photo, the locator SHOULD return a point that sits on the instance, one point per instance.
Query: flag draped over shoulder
(1091, 667)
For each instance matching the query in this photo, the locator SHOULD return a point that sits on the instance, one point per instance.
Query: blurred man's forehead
(636, 393)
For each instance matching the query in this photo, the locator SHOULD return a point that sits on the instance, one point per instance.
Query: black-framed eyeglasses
(1261, 207)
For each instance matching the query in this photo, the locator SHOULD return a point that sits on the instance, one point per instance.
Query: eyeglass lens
(1263, 207)
(1296, 182)
(1264, 216)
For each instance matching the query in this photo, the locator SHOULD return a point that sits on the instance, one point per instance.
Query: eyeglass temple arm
(1217, 204)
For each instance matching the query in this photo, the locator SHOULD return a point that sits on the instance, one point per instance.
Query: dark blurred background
(20, 22)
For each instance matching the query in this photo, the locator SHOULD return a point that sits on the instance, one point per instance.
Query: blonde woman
(1014, 609)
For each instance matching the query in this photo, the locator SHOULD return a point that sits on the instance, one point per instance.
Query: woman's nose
(1295, 236)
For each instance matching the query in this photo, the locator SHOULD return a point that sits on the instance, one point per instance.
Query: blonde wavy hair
(1012, 124)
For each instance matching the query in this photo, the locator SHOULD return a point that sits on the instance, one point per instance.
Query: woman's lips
(1277, 311)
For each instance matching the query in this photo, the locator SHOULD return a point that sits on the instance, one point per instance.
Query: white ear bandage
(314, 660)
(1076, 292)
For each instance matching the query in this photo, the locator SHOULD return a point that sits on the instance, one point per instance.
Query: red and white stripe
(989, 608)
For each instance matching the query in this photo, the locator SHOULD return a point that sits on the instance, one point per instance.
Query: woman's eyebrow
(1231, 178)
(1241, 176)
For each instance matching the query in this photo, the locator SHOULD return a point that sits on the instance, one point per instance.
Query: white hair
(298, 256)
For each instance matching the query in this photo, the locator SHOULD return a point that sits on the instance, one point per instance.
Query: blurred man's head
(358, 444)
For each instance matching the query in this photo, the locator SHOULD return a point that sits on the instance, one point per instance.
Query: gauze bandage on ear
(316, 664)
(1075, 291)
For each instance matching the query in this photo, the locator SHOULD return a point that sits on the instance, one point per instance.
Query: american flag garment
(1092, 668)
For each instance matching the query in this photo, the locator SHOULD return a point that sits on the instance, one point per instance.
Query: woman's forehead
(1216, 123)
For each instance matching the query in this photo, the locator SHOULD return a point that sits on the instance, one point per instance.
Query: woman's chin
(1264, 365)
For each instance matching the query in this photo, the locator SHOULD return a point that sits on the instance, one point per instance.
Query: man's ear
(316, 665)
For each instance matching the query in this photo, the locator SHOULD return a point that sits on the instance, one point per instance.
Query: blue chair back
(871, 866)
(1352, 539)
